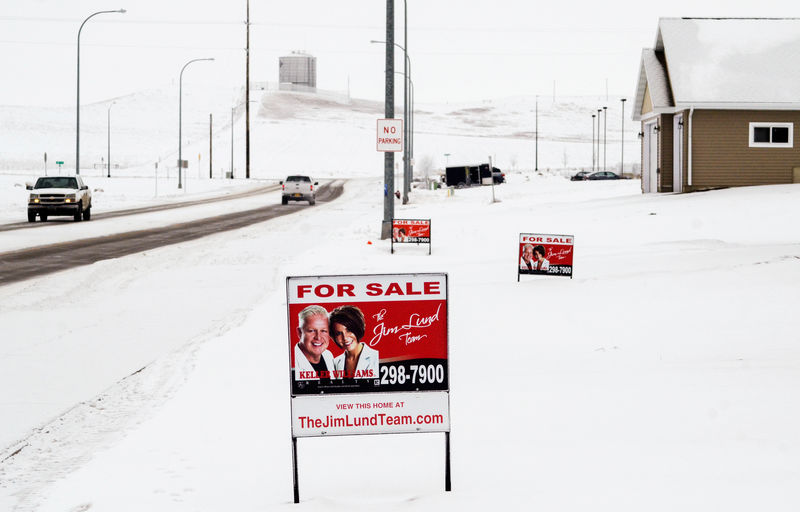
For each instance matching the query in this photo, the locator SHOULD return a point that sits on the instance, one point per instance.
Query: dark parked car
(580, 176)
(603, 175)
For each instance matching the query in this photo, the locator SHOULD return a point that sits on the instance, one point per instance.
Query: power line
(498, 53)
(447, 28)
(117, 45)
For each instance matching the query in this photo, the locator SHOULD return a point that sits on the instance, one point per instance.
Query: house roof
(724, 63)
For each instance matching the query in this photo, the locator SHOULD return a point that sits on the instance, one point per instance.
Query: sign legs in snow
(447, 484)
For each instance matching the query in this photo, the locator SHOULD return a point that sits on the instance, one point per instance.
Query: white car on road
(59, 195)
(298, 188)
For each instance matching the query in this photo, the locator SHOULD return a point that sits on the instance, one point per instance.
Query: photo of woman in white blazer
(358, 360)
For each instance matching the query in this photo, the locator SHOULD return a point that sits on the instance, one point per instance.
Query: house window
(771, 135)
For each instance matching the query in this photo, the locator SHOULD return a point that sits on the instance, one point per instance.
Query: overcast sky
(465, 50)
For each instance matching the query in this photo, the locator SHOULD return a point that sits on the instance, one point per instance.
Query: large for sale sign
(545, 254)
(368, 354)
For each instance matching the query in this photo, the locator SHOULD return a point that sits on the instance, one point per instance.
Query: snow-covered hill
(326, 134)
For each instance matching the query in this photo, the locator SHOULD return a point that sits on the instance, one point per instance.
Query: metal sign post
(491, 173)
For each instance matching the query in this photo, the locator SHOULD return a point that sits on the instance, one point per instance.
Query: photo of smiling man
(312, 359)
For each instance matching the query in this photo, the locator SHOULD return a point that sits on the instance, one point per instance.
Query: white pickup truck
(59, 195)
(298, 188)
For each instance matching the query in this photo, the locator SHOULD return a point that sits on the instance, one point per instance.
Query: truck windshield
(298, 178)
(56, 183)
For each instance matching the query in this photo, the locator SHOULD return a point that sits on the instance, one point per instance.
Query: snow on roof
(732, 60)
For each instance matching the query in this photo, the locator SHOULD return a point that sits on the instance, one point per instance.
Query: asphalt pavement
(37, 261)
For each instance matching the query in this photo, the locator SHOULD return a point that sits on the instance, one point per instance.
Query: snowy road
(146, 209)
(24, 264)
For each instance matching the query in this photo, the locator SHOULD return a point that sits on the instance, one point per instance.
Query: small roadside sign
(545, 254)
(409, 231)
(59, 162)
(390, 135)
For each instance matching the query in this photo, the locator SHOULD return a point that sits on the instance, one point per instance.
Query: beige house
(718, 101)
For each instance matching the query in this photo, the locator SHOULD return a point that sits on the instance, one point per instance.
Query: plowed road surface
(26, 263)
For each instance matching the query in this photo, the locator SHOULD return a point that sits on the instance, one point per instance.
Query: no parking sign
(390, 135)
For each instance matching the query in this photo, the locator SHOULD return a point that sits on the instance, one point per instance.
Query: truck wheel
(87, 213)
(31, 216)
(78, 213)
(284, 200)
(43, 216)
(312, 201)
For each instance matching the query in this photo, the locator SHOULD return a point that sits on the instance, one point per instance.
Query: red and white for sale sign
(368, 353)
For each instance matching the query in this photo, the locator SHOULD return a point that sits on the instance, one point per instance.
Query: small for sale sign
(545, 254)
(390, 135)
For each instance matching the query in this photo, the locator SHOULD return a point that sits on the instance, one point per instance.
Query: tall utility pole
(247, 99)
(406, 163)
(210, 139)
(605, 132)
(536, 163)
(622, 153)
(388, 157)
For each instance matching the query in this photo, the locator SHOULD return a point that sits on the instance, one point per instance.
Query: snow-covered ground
(660, 378)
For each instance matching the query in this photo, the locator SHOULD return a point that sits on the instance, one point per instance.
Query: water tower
(299, 68)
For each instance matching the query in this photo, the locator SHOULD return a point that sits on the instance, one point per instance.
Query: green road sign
(59, 162)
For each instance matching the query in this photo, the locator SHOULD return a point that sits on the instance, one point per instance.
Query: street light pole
(247, 100)
(232, 112)
(109, 138)
(622, 152)
(593, 159)
(180, 120)
(599, 111)
(409, 144)
(605, 133)
(78, 102)
(536, 164)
